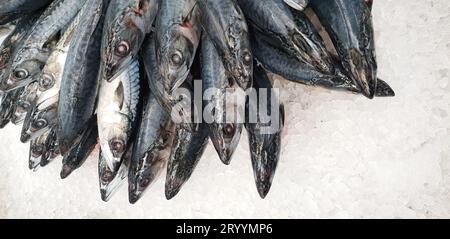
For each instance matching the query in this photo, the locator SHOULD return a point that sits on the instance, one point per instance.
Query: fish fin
(384, 90)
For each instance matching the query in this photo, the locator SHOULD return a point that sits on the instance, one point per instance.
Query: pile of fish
(82, 73)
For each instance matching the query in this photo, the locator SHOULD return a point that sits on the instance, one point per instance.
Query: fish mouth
(66, 171)
(363, 75)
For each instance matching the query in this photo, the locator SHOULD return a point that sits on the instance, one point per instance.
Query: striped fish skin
(80, 81)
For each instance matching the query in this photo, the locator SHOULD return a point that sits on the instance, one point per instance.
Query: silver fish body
(126, 24)
(224, 134)
(116, 114)
(80, 81)
(225, 24)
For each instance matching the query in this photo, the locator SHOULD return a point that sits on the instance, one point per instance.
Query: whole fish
(24, 103)
(49, 84)
(116, 114)
(224, 134)
(349, 25)
(150, 150)
(10, 44)
(126, 24)
(177, 39)
(34, 52)
(80, 81)
(225, 24)
(78, 155)
(13, 9)
(280, 63)
(187, 149)
(293, 34)
(264, 133)
(297, 4)
(111, 181)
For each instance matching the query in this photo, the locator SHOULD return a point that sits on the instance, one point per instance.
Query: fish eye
(123, 49)
(40, 123)
(38, 149)
(20, 74)
(247, 57)
(229, 129)
(107, 176)
(25, 105)
(117, 145)
(176, 58)
(144, 183)
(46, 81)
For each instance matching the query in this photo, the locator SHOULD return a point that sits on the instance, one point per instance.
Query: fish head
(113, 142)
(46, 81)
(110, 180)
(244, 72)
(123, 40)
(23, 73)
(265, 153)
(142, 178)
(175, 61)
(225, 138)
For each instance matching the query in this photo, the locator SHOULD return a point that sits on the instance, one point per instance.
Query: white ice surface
(344, 156)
